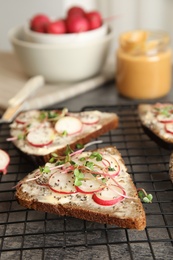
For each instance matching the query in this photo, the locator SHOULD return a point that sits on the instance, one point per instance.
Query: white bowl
(46, 38)
(64, 62)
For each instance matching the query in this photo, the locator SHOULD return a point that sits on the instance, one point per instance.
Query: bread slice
(40, 133)
(104, 193)
(158, 118)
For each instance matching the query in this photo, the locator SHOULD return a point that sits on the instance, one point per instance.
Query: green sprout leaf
(79, 146)
(79, 176)
(44, 169)
(21, 136)
(68, 150)
(96, 155)
(146, 198)
(64, 133)
(90, 165)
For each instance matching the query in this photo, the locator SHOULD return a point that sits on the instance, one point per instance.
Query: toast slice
(158, 118)
(40, 133)
(89, 185)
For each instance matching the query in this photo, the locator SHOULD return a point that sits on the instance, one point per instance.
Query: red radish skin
(38, 23)
(24, 118)
(90, 119)
(77, 24)
(75, 11)
(56, 27)
(164, 119)
(95, 20)
(40, 137)
(4, 161)
(79, 189)
(112, 197)
(169, 128)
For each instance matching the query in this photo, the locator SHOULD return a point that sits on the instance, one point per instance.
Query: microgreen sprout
(111, 169)
(146, 198)
(79, 146)
(82, 159)
(44, 169)
(68, 150)
(21, 136)
(42, 116)
(64, 133)
(53, 158)
(90, 165)
(96, 155)
(79, 176)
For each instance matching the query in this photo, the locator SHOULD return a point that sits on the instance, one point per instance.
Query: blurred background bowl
(46, 38)
(61, 62)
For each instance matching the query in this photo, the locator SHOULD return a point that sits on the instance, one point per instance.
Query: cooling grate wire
(28, 234)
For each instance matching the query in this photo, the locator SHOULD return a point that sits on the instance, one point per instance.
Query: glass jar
(143, 64)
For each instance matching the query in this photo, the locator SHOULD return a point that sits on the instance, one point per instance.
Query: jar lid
(144, 42)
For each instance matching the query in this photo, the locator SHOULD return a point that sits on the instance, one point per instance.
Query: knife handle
(29, 88)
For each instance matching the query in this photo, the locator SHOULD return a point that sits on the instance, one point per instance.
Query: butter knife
(17, 103)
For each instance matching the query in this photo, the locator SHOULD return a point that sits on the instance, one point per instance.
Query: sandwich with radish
(158, 119)
(40, 133)
(90, 185)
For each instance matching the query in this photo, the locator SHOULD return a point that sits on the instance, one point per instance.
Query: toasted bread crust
(136, 220)
(85, 214)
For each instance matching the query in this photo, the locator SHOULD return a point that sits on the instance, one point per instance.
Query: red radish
(165, 119)
(75, 11)
(68, 124)
(77, 24)
(89, 119)
(40, 137)
(169, 128)
(4, 161)
(90, 184)
(56, 27)
(95, 19)
(24, 118)
(109, 196)
(62, 183)
(38, 23)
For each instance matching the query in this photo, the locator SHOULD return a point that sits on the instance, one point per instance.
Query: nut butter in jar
(143, 64)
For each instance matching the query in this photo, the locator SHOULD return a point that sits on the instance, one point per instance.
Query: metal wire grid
(28, 234)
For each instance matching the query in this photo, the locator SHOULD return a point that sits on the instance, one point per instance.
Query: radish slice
(169, 128)
(62, 183)
(108, 196)
(165, 119)
(25, 117)
(40, 137)
(89, 118)
(90, 184)
(69, 124)
(4, 161)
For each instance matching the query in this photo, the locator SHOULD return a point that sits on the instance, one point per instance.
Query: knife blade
(17, 103)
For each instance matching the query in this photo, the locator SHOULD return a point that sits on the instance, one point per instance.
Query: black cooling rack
(27, 234)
